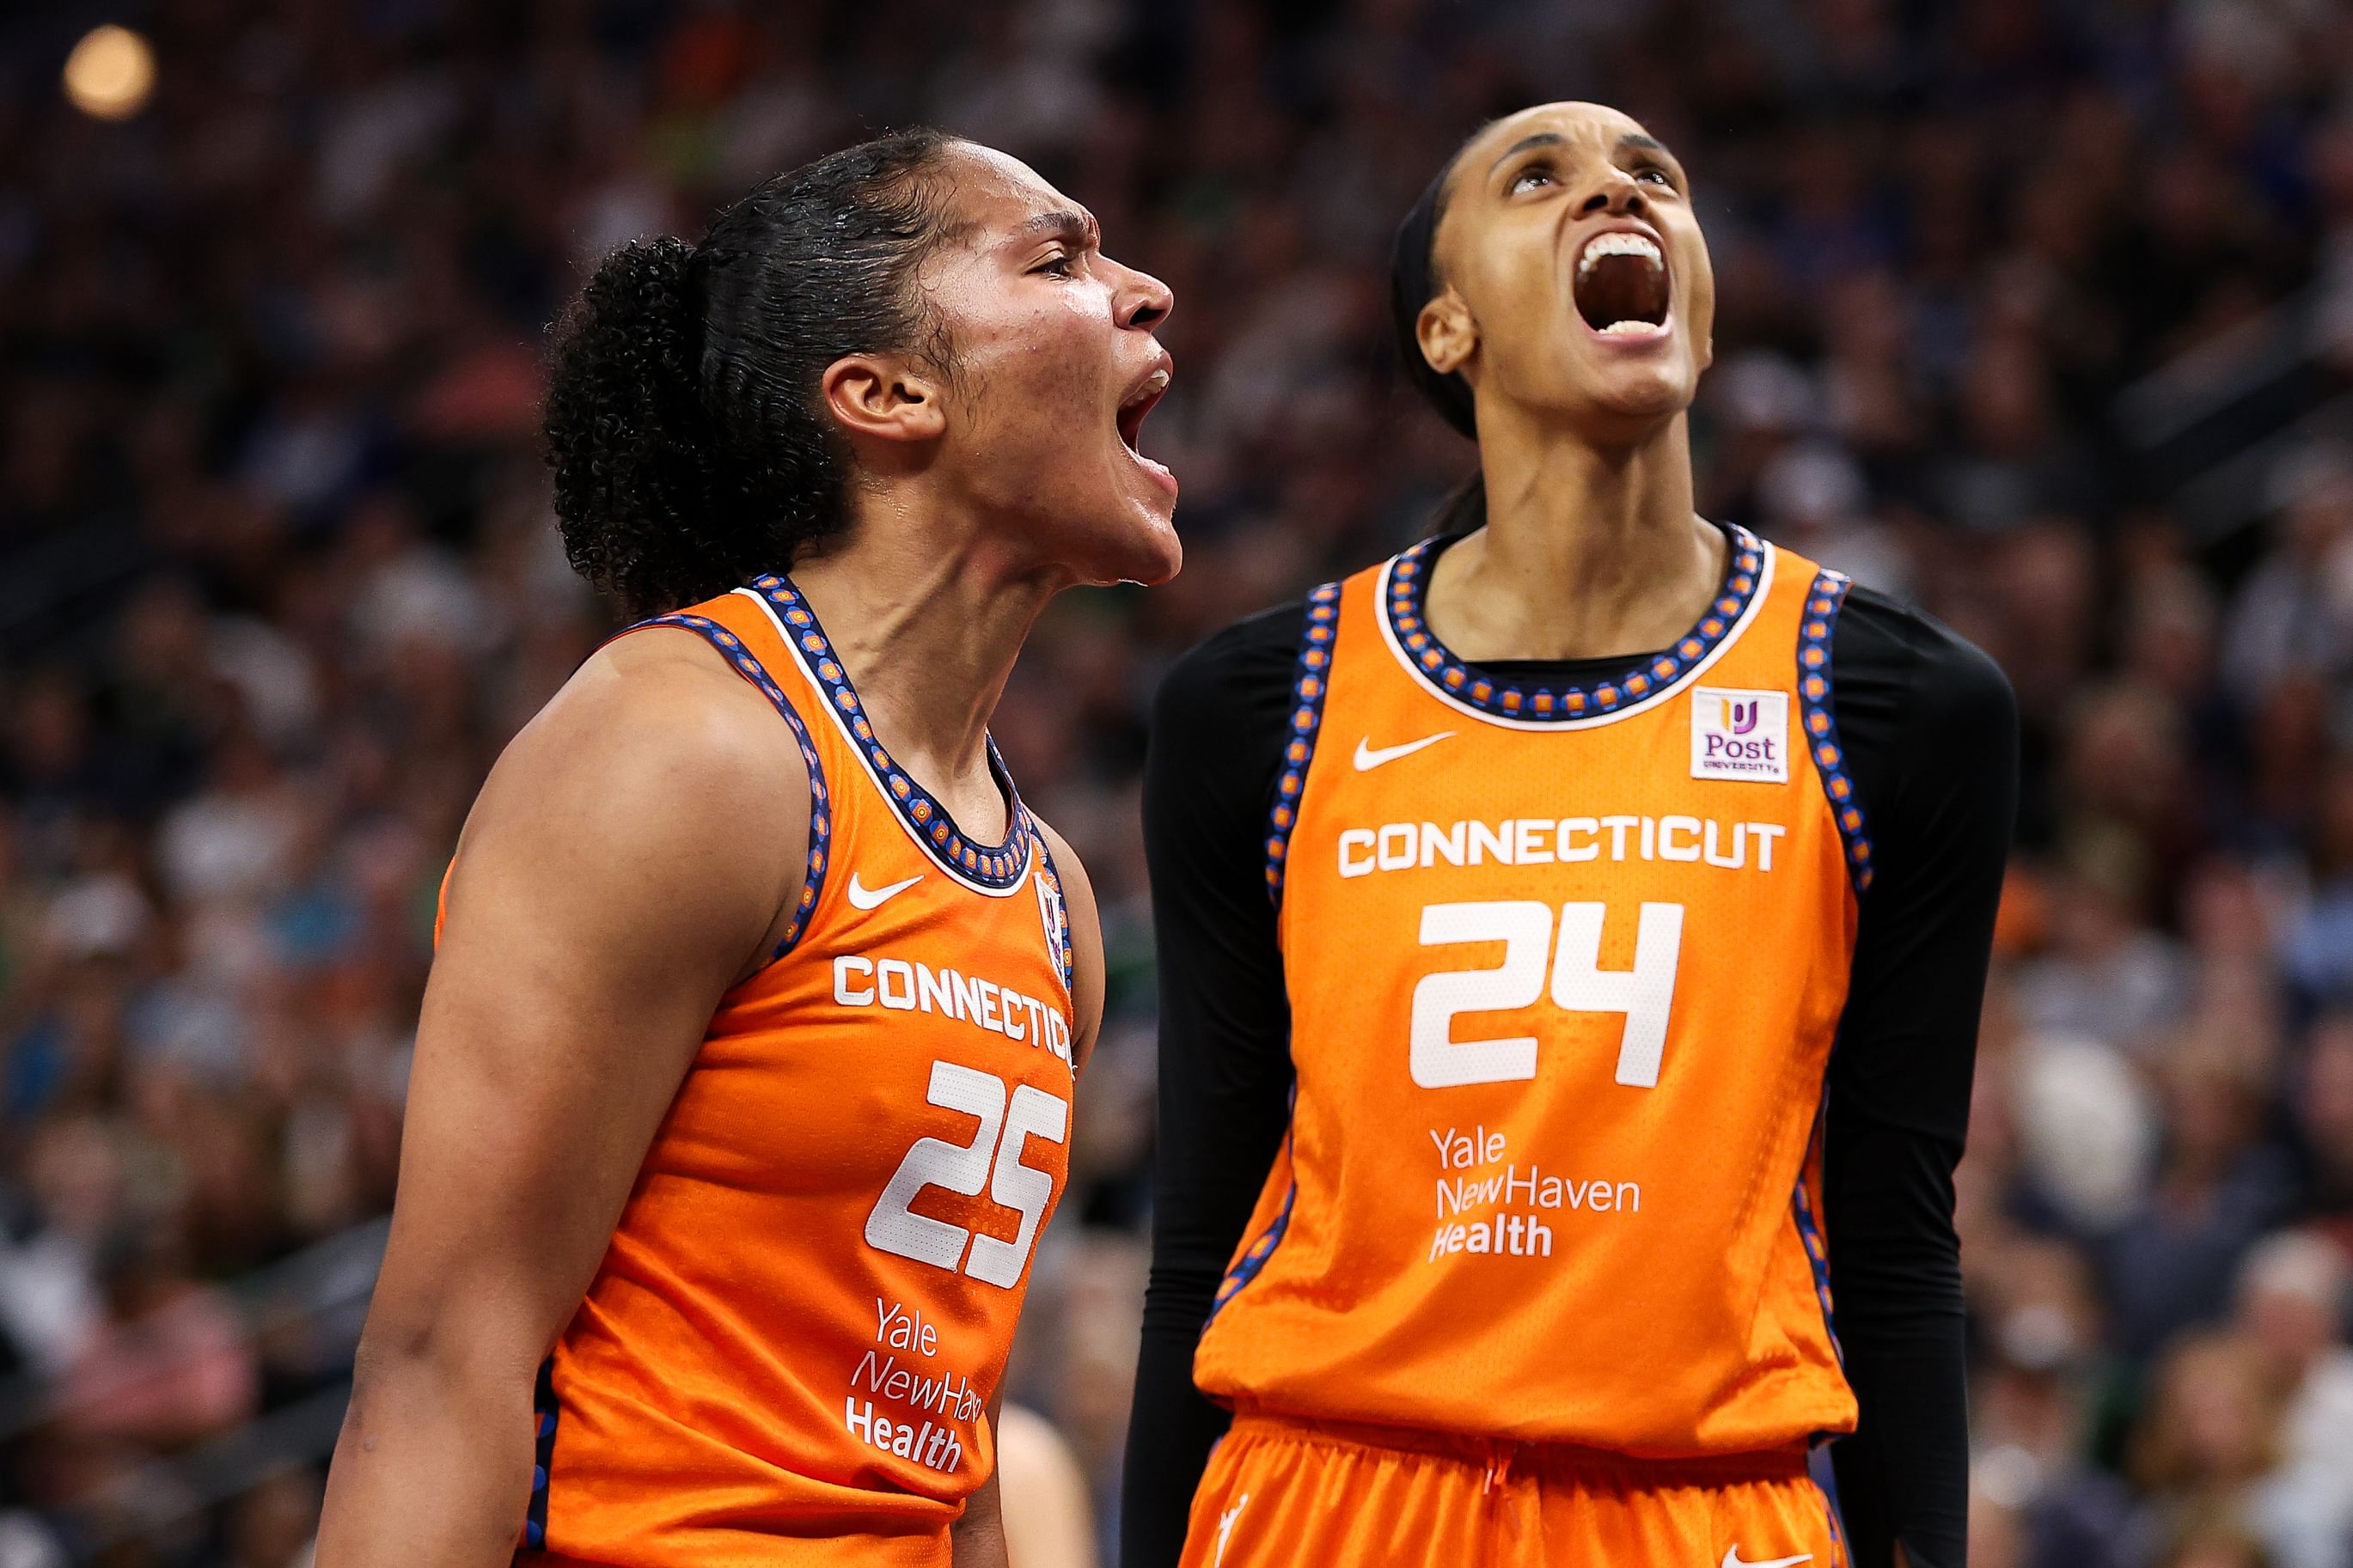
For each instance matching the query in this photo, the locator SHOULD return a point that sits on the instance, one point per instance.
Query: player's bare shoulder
(660, 701)
(655, 755)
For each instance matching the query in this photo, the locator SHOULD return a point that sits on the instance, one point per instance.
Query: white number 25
(1644, 994)
(965, 1168)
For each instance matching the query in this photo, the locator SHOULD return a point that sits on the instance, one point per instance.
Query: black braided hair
(684, 420)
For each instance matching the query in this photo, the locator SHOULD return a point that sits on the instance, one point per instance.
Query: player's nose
(1616, 193)
(1141, 300)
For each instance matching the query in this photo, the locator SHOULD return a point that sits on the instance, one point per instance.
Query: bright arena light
(109, 73)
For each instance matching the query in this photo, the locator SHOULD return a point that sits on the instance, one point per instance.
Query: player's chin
(1167, 559)
(1131, 539)
(1146, 549)
(1650, 388)
(1141, 545)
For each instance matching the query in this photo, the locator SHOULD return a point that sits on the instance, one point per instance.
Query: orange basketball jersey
(1564, 968)
(792, 1342)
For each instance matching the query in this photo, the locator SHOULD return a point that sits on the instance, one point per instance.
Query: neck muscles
(1586, 552)
(928, 622)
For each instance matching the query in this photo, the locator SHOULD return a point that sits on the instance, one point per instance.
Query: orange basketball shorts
(1280, 1493)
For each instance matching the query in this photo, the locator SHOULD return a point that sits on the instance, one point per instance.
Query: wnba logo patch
(1052, 916)
(1740, 735)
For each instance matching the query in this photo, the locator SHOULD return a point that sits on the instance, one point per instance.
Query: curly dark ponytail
(684, 419)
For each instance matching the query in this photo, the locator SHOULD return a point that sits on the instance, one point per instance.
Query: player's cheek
(1033, 399)
(1698, 273)
(1063, 379)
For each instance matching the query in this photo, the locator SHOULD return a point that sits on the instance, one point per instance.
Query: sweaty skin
(1591, 546)
(1589, 550)
(599, 906)
(606, 893)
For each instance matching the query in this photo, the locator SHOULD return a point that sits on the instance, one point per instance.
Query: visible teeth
(1156, 382)
(1633, 329)
(1617, 243)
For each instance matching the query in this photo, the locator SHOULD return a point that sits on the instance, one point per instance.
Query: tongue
(1623, 288)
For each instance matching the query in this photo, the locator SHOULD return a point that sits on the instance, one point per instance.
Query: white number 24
(965, 1168)
(1644, 994)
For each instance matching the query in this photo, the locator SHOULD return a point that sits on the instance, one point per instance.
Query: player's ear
(884, 398)
(1446, 332)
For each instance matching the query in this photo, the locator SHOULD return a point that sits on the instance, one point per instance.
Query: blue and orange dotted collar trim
(992, 866)
(1460, 681)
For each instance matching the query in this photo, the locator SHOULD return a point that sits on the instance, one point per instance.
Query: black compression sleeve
(1932, 733)
(1218, 733)
(1929, 731)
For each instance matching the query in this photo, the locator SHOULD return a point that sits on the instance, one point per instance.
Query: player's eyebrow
(1539, 139)
(1075, 228)
(1632, 139)
(1636, 141)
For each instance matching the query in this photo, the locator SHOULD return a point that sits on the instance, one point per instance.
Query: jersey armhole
(1823, 601)
(741, 659)
(1054, 915)
(1311, 678)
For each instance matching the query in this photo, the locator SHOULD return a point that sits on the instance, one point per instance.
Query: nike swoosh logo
(1732, 1559)
(1369, 756)
(875, 897)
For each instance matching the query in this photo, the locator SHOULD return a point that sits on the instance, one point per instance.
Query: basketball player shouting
(744, 1081)
(1570, 980)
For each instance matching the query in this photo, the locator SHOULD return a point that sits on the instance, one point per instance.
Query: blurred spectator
(2217, 1188)
(2294, 610)
(2034, 1416)
(167, 1364)
(2324, 1100)
(2215, 1543)
(2107, 973)
(2210, 1445)
(2294, 1293)
(2317, 949)
(2087, 1130)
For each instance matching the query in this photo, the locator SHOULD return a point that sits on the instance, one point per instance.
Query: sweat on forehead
(1569, 122)
(1001, 197)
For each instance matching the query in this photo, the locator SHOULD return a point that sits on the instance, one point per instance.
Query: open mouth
(1140, 402)
(1622, 289)
(1129, 419)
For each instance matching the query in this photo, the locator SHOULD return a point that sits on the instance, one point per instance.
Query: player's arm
(604, 895)
(1931, 728)
(976, 1540)
(1048, 1522)
(1218, 733)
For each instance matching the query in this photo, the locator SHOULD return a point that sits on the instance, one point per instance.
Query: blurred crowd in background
(2037, 312)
